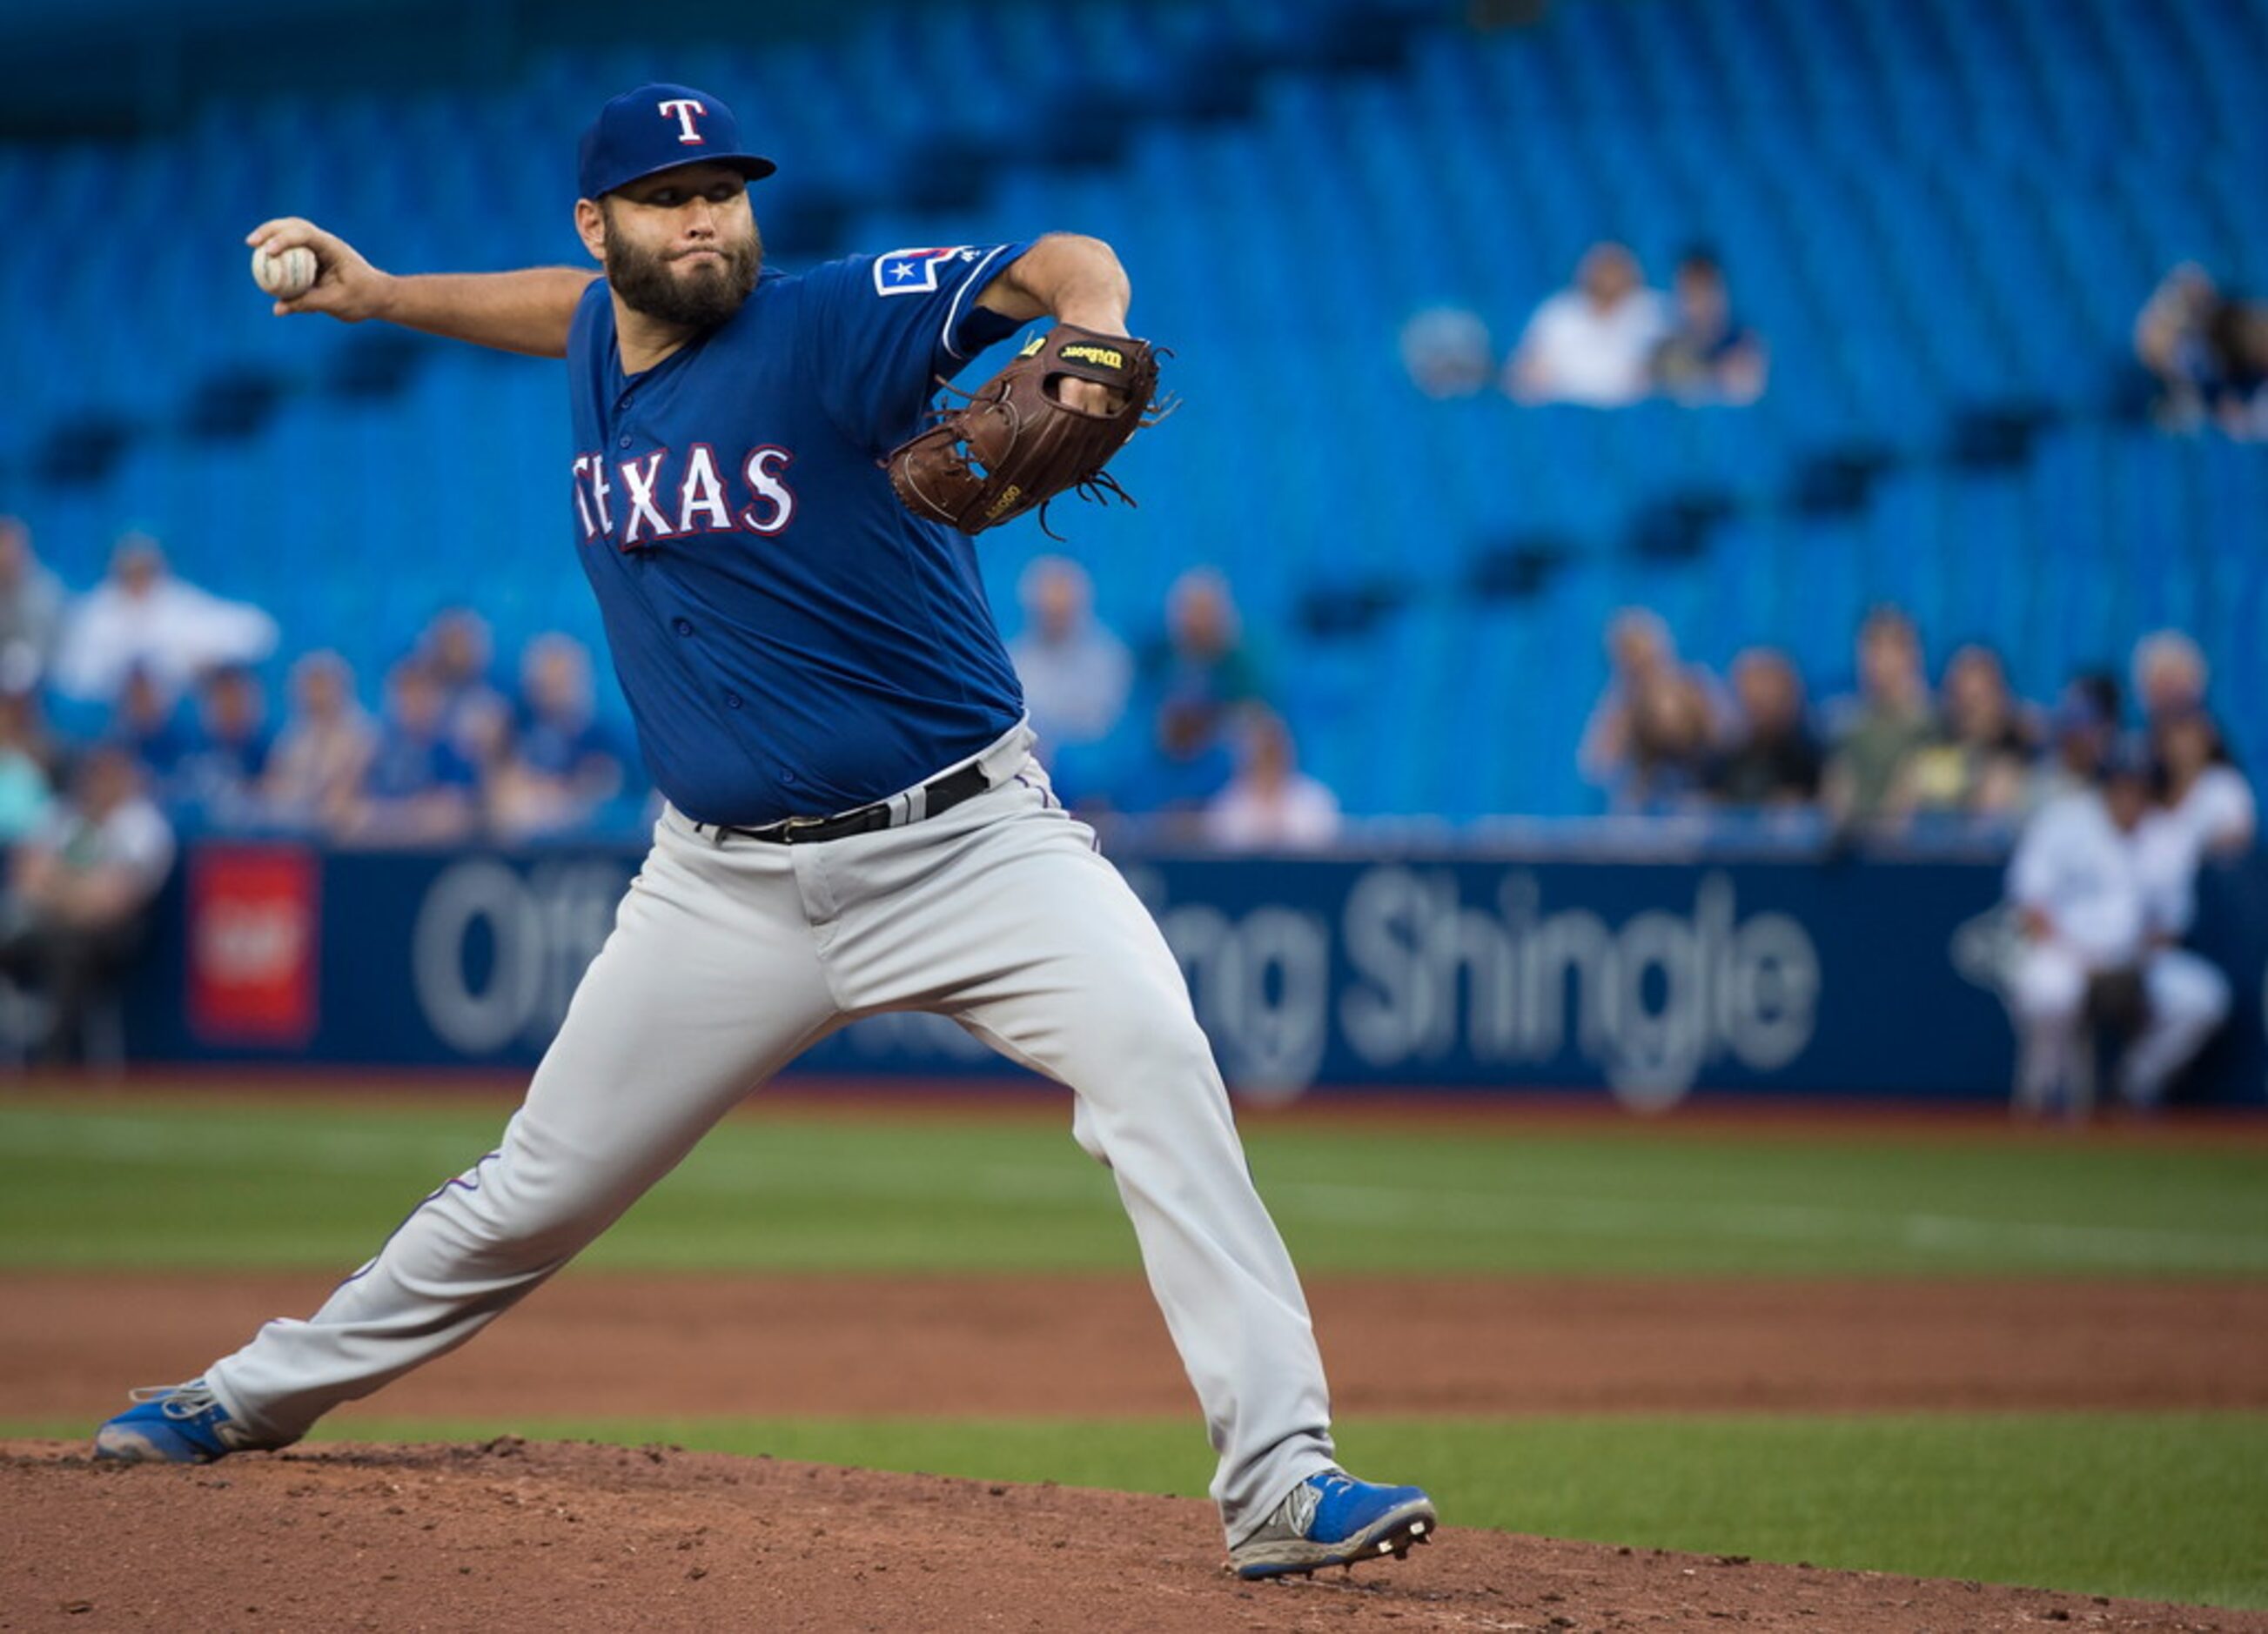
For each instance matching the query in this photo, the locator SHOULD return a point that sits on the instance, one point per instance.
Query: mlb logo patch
(913, 272)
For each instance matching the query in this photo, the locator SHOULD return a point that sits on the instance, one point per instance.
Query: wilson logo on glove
(1015, 443)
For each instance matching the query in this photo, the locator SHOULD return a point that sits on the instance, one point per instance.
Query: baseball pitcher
(854, 823)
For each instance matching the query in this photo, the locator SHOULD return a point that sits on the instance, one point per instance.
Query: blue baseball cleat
(172, 1423)
(1333, 1520)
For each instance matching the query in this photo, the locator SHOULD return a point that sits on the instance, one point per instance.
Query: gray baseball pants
(728, 959)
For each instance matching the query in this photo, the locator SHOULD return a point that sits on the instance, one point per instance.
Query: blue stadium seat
(1930, 208)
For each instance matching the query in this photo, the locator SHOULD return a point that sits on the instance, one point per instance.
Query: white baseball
(285, 276)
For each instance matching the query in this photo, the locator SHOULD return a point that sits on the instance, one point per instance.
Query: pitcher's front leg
(1064, 970)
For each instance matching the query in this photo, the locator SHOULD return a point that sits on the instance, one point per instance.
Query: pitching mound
(562, 1538)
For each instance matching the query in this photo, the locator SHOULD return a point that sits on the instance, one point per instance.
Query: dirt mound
(515, 1535)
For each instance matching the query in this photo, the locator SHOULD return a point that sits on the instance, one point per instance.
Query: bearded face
(698, 286)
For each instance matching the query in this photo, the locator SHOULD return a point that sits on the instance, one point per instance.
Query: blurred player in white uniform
(2104, 881)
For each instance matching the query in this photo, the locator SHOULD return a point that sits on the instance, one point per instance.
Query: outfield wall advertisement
(1651, 982)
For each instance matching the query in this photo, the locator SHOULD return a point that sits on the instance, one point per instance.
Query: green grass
(201, 1180)
(2164, 1507)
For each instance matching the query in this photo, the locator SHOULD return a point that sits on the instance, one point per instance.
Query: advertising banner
(252, 932)
(1650, 981)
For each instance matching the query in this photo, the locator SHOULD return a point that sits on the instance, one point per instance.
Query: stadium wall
(1650, 981)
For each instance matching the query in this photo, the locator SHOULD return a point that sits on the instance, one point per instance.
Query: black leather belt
(941, 795)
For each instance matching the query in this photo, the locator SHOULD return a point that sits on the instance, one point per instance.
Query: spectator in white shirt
(2103, 891)
(1593, 344)
(141, 617)
(1271, 805)
(80, 891)
(1076, 672)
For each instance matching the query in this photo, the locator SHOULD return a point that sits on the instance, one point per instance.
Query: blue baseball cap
(658, 128)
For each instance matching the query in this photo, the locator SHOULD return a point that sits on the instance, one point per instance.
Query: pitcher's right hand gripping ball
(314, 271)
(1017, 443)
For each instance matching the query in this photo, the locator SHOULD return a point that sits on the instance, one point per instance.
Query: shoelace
(178, 1400)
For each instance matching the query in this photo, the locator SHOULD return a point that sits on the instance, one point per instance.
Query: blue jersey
(792, 641)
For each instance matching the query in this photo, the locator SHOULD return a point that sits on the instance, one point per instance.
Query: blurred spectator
(1639, 644)
(1889, 721)
(2208, 354)
(2185, 997)
(224, 758)
(2169, 675)
(421, 787)
(567, 762)
(456, 651)
(143, 618)
(31, 609)
(1447, 351)
(80, 891)
(513, 800)
(2083, 729)
(2173, 341)
(1709, 355)
(316, 767)
(1199, 678)
(1669, 743)
(26, 789)
(1592, 343)
(1648, 681)
(2102, 896)
(147, 721)
(1076, 672)
(2238, 334)
(1976, 761)
(1770, 756)
(2205, 795)
(1270, 803)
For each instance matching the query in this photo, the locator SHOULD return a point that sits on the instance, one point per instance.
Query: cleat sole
(1394, 1541)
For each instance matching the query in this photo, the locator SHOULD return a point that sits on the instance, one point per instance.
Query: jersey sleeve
(887, 327)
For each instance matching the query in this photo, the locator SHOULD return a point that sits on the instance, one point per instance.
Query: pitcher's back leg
(707, 986)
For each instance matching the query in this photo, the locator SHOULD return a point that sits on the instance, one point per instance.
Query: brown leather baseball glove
(1015, 443)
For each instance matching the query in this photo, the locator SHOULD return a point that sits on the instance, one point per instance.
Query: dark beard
(701, 301)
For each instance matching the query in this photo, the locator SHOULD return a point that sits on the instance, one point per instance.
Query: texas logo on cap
(656, 128)
(688, 111)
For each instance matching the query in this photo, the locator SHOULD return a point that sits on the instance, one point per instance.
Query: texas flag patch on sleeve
(915, 272)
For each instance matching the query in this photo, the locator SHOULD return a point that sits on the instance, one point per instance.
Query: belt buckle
(789, 826)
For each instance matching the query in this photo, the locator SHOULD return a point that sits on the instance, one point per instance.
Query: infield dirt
(512, 1536)
(565, 1538)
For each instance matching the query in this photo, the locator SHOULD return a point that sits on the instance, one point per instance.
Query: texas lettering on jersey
(659, 495)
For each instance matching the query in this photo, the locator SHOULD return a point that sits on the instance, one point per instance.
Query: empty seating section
(1934, 210)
